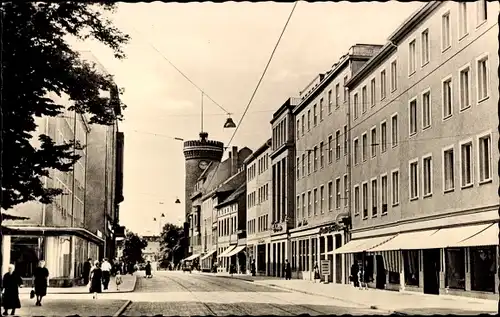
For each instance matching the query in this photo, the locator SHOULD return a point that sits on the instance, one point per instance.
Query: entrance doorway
(432, 263)
(381, 273)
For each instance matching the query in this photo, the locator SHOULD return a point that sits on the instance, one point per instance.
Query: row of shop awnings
(465, 236)
(232, 250)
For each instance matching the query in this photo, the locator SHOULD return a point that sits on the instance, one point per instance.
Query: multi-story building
(425, 201)
(259, 202)
(152, 251)
(282, 156)
(320, 167)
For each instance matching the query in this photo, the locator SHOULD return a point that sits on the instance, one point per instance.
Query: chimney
(233, 156)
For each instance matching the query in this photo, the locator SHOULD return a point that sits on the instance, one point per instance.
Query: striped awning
(227, 251)
(208, 254)
(392, 260)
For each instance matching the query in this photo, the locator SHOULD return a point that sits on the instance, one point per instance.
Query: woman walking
(10, 288)
(40, 280)
(96, 279)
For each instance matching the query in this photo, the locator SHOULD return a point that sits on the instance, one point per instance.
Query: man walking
(86, 271)
(106, 273)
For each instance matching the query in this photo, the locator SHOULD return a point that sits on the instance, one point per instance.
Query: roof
(234, 196)
(289, 104)
(258, 152)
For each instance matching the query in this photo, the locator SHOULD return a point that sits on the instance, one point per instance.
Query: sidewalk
(397, 302)
(245, 277)
(127, 286)
(57, 307)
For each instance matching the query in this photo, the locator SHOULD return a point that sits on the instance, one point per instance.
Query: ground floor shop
(208, 260)
(233, 259)
(257, 252)
(64, 251)
(459, 259)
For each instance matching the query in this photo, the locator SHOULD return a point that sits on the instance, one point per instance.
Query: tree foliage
(37, 60)
(132, 248)
(171, 244)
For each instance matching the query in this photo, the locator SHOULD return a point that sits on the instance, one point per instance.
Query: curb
(122, 309)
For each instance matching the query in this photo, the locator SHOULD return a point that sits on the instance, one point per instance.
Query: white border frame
(443, 151)
(461, 37)
(364, 106)
(338, 191)
(461, 108)
(394, 204)
(374, 103)
(354, 199)
(371, 215)
(386, 138)
(472, 168)
(394, 60)
(410, 134)
(371, 143)
(410, 163)
(410, 72)
(488, 133)
(364, 159)
(422, 62)
(425, 91)
(356, 162)
(393, 145)
(383, 71)
(387, 194)
(362, 200)
(488, 78)
(424, 157)
(443, 80)
(330, 207)
(443, 48)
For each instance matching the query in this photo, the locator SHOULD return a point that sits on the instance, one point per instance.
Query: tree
(132, 248)
(36, 60)
(171, 244)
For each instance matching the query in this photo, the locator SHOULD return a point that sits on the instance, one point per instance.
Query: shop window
(411, 267)
(482, 267)
(394, 278)
(455, 268)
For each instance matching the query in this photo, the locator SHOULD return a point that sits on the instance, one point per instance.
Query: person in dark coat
(148, 270)
(40, 280)
(252, 268)
(96, 279)
(86, 271)
(354, 274)
(288, 270)
(10, 287)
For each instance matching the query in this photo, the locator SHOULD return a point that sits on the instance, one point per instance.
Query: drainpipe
(349, 175)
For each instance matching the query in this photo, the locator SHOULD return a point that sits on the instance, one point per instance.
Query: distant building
(152, 251)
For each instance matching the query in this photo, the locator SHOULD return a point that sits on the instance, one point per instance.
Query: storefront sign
(325, 268)
(277, 228)
(329, 229)
(261, 241)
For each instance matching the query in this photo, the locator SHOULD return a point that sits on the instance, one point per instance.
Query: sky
(223, 48)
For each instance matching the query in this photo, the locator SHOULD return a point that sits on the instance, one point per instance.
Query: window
(298, 129)
(309, 162)
(411, 267)
(315, 115)
(356, 200)
(383, 136)
(455, 268)
(384, 193)
(337, 95)
(449, 169)
(330, 101)
(345, 94)
(394, 75)
(346, 186)
(322, 199)
(394, 130)
(485, 158)
(413, 116)
(464, 86)
(337, 192)
(303, 165)
(445, 32)
(482, 78)
(466, 164)
(321, 109)
(374, 142)
(303, 205)
(337, 145)
(298, 207)
(303, 124)
(364, 99)
(330, 149)
(345, 140)
(315, 158)
(298, 168)
(309, 207)
(356, 109)
(373, 92)
(374, 198)
(482, 268)
(308, 120)
(315, 192)
(447, 95)
(412, 58)
(395, 187)
(330, 196)
(426, 47)
(482, 11)
(427, 175)
(365, 200)
(463, 27)
(322, 155)
(356, 151)
(413, 180)
(426, 109)
(364, 154)
(383, 87)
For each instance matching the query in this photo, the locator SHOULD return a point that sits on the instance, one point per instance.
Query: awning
(450, 237)
(191, 257)
(361, 245)
(406, 241)
(228, 250)
(236, 250)
(208, 254)
(51, 231)
(488, 236)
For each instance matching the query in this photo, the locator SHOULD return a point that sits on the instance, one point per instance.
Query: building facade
(424, 185)
(321, 170)
(282, 156)
(259, 205)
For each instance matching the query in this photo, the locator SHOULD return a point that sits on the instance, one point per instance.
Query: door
(432, 266)
(381, 274)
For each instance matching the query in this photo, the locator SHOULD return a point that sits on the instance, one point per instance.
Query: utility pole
(72, 237)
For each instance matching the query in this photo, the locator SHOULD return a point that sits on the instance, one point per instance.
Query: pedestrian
(10, 288)
(316, 273)
(366, 275)
(148, 270)
(354, 274)
(253, 268)
(40, 281)
(96, 279)
(106, 273)
(118, 280)
(288, 270)
(87, 266)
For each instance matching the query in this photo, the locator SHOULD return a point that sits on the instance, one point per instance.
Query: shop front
(257, 254)
(208, 260)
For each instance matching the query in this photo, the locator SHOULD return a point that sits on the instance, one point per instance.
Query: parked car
(187, 266)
